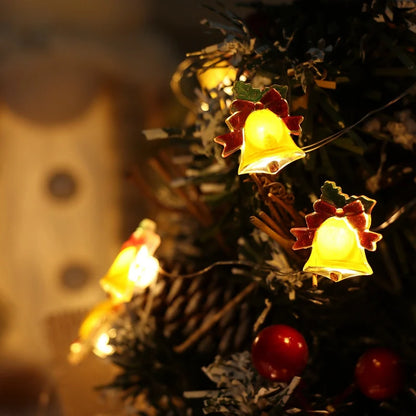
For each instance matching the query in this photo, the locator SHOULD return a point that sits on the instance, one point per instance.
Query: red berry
(379, 373)
(279, 353)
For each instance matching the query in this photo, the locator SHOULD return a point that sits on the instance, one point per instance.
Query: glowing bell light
(338, 232)
(134, 267)
(93, 332)
(336, 251)
(216, 76)
(268, 145)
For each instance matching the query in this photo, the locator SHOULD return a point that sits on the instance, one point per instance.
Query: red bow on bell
(355, 214)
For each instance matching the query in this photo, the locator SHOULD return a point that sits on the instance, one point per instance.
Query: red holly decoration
(379, 374)
(279, 352)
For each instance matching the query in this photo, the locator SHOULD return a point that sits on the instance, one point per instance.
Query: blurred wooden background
(79, 80)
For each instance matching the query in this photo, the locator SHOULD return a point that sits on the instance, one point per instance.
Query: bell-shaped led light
(135, 266)
(268, 145)
(337, 252)
(338, 232)
(93, 332)
(214, 77)
(116, 282)
(262, 130)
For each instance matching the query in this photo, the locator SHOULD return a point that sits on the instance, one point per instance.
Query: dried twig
(191, 197)
(193, 210)
(136, 177)
(192, 190)
(296, 216)
(284, 242)
(263, 194)
(272, 224)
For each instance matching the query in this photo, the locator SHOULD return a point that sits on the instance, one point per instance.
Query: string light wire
(396, 215)
(233, 263)
(332, 137)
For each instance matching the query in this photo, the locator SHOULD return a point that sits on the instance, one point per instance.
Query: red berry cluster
(280, 352)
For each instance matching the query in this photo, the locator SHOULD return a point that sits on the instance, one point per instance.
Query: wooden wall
(78, 81)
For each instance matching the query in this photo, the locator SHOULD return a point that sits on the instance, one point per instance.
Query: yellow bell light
(93, 332)
(134, 267)
(337, 252)
(116, 282)
(211, 78)
(338, 233)
(268, 145)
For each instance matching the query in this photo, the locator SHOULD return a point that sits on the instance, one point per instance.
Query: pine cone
(182, 305)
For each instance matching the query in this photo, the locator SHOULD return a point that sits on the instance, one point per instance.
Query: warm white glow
(336, 238)
(76, 352)
(228, 90)
(101, 348)
(262, 126)
(75, 348)
(143, 270)
(286, 340)
(216, 77)
(204, 106)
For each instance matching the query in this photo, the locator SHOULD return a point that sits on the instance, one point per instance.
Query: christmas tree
(274, 284)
